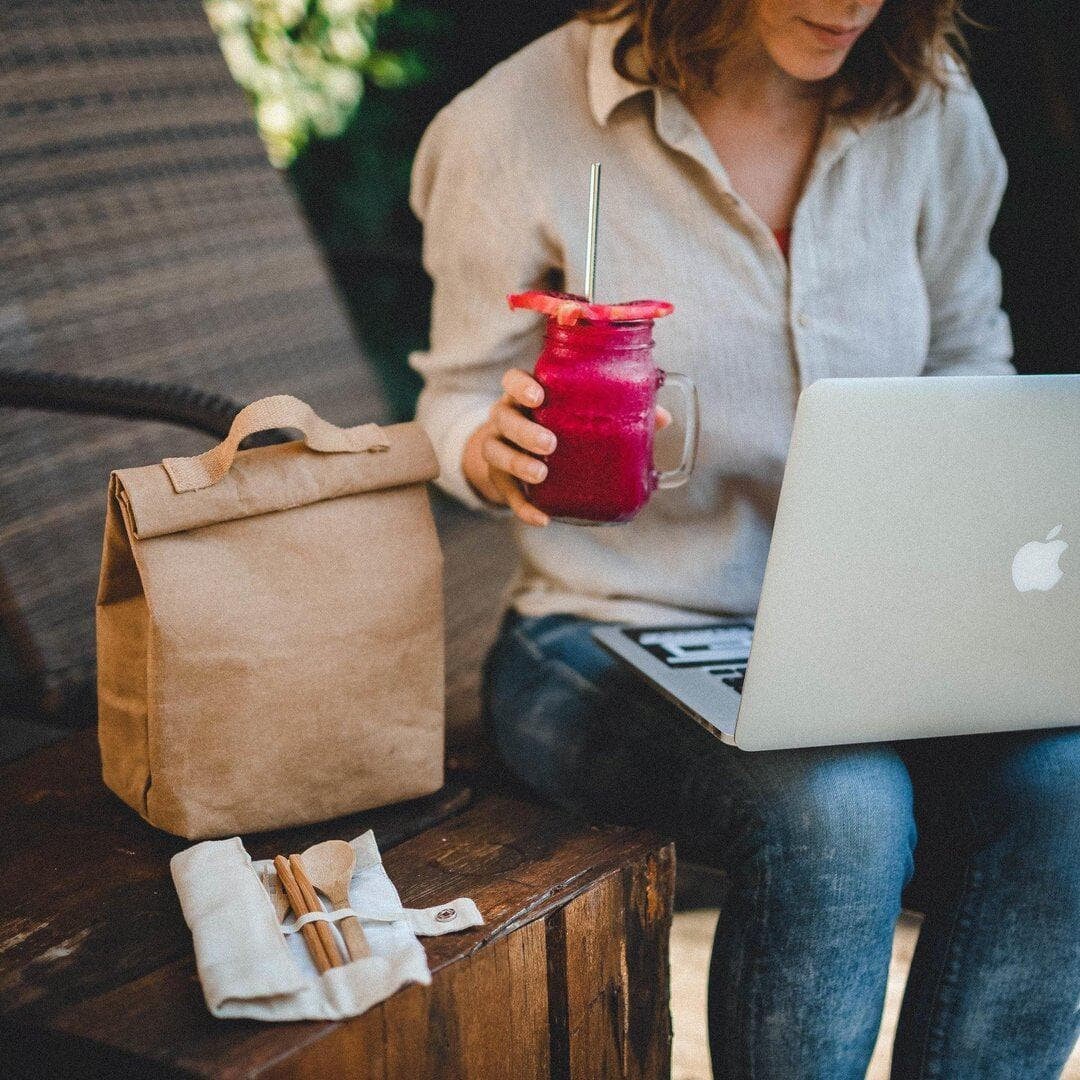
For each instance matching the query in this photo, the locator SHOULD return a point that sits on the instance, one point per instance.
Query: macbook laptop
(923, 577)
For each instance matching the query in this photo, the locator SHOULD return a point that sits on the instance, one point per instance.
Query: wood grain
(558, 894)
(55, 811)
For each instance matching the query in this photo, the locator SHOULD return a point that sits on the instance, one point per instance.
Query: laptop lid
(924, 572)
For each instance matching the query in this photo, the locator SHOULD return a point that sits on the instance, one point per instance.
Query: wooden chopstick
(307, 891)
(296, 902)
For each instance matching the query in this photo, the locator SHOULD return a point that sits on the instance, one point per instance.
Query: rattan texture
(143, 235)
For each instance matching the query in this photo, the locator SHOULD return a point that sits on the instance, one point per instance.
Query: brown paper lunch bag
(269, 628)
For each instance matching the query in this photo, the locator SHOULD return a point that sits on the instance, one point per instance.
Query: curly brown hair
(909, 45)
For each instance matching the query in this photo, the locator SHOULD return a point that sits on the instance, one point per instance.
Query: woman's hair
(907, 46)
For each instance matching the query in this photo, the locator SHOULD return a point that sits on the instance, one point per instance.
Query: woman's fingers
(507, 465)
(663, 418)
(515, 499)
(521, 431)
(501, 455)
(479, 462)
(522, 388)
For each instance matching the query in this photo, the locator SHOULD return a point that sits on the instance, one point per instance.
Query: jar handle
(678, 476)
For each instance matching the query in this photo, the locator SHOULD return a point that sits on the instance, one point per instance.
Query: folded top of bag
(272, 478)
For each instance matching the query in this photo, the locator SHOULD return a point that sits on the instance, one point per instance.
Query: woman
(812, 183)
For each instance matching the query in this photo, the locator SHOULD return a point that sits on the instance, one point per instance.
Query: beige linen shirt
(890, 274)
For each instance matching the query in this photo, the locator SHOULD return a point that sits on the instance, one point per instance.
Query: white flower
(281, 152)
(267, 81)
(329, 120)
(300, 62)
(291, 11)
(240, 56)
(339, 10)
(276, 118)
(309, 61)
(277, 48)
(349, 44)
(225, 14)
(343, 85)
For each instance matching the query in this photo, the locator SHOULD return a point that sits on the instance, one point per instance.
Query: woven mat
(142, 233)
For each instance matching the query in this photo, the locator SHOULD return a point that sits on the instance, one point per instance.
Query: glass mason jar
(600, 385)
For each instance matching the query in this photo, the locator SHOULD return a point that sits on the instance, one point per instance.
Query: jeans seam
(929, 1064)
(752, 1000)
(745, 1035)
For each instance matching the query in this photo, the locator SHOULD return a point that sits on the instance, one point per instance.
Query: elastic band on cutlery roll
(320, 916)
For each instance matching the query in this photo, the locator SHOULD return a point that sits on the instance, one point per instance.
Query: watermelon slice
(567, 309)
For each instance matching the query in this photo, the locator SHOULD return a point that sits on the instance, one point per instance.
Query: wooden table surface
(96, 963)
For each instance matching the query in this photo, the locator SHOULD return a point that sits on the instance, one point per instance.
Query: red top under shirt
(783, 238)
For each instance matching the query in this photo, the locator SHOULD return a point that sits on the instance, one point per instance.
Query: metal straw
(594, 214)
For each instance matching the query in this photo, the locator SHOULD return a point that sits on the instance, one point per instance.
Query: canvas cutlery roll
(250, 958)
(269, 628)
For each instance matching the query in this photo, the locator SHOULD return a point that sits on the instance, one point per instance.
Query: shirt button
(802, 319)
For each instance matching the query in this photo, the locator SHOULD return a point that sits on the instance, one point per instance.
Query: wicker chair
(154, 269)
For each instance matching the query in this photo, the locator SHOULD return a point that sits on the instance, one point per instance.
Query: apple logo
(1035, 565)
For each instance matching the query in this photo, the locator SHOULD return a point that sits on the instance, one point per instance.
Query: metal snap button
(445, 915)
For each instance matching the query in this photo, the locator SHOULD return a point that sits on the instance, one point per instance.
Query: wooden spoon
(279, 897)
(330, 867)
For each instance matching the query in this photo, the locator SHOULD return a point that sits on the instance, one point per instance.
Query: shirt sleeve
(483, 238)
(969, 332)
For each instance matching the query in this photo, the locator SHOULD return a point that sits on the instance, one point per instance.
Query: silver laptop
(923, 578)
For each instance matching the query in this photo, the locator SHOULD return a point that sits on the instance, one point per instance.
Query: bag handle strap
(278, 411)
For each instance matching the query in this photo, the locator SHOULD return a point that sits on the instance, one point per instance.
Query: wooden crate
(568, 978)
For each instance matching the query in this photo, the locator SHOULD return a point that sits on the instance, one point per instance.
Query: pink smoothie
(600, 386)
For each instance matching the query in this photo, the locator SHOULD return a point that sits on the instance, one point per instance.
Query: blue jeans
(816, 846)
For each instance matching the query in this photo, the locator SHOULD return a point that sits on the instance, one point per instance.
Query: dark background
(1025, 62)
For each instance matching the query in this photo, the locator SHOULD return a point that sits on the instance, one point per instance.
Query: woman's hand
(504, 451)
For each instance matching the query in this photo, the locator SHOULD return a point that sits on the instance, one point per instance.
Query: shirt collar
(607, 88)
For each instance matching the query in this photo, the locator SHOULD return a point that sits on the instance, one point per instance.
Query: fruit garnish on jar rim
(567, 309)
